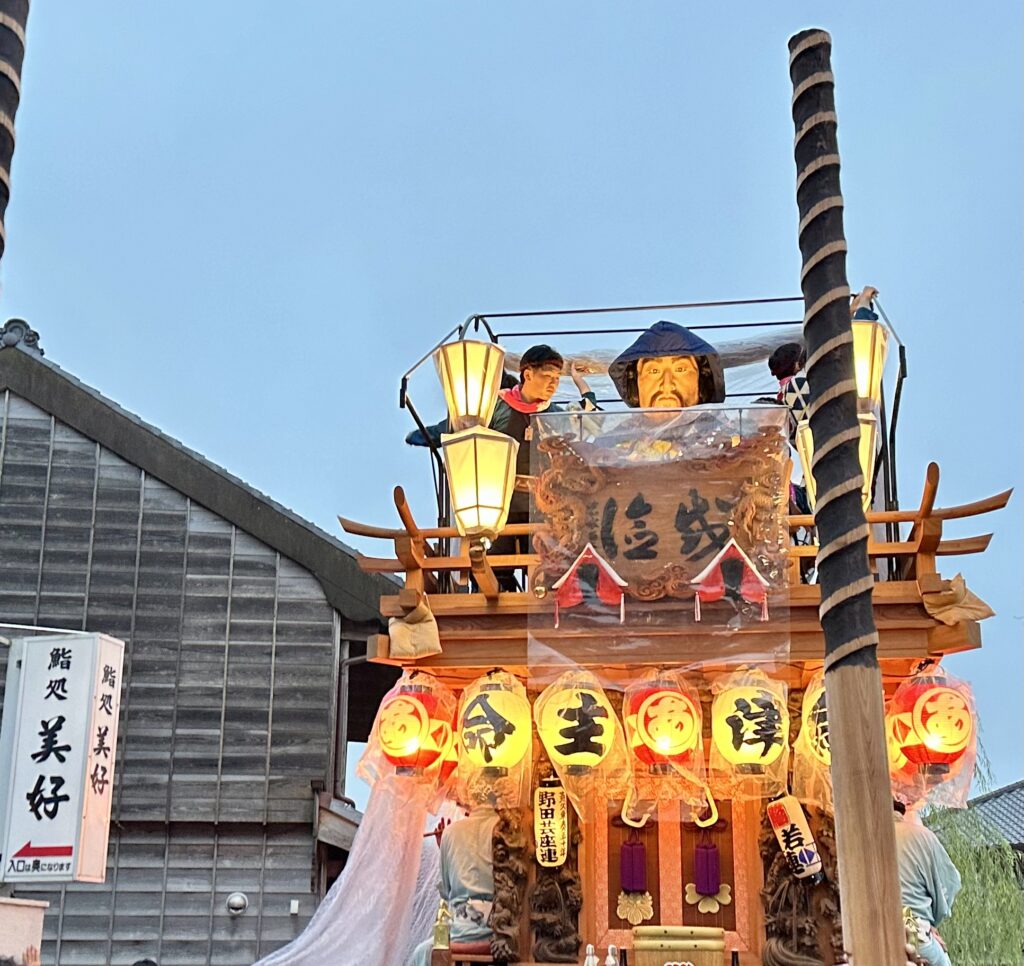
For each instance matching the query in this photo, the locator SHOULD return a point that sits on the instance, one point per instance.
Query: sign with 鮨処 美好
(57, 745)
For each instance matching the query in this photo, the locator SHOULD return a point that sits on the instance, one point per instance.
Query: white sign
(57, 745)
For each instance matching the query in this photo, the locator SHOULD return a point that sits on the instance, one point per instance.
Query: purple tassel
(633, 866)
(706, 869)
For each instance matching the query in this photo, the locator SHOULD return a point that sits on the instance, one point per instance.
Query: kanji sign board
(57, 747)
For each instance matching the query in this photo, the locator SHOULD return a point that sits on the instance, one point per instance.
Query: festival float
(610, 641)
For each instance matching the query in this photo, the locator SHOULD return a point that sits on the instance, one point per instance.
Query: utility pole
(865, 838)
(13, 18)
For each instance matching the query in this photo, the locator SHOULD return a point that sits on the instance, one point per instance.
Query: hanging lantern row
(487, 736)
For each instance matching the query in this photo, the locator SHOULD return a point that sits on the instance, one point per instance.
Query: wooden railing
(418, 556)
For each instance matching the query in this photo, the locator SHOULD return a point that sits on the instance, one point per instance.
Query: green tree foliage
(987, 924)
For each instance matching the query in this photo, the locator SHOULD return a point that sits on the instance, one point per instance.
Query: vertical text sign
(58, 745)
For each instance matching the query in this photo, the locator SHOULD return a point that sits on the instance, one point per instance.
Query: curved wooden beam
(368, 530)
(977, 544)
(987, 505)
(931, 487)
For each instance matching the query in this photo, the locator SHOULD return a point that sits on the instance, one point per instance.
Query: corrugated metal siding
(229, 684)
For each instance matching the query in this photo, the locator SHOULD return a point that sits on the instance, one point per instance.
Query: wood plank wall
(229, 684)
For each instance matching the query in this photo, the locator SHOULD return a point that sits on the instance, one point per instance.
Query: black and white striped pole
(869, 887)
(13, 17)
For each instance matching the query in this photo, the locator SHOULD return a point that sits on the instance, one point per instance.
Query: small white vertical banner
(57, 743)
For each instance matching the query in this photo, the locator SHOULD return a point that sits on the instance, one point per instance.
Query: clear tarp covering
(662, 553)
(662, 539)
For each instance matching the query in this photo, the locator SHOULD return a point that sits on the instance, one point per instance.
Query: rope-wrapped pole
(13, 18)
(865, 839)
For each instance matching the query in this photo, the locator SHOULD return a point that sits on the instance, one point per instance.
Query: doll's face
(668, 382)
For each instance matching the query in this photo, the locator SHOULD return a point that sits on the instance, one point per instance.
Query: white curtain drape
(385, 900)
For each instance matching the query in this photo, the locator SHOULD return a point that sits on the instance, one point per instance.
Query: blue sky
(244, 221)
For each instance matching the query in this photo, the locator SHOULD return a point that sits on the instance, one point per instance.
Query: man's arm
(587, 397)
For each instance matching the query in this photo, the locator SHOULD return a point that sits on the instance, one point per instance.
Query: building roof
(1004, 808)
(23, 370)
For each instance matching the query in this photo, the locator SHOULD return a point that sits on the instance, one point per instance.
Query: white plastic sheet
(385, 900)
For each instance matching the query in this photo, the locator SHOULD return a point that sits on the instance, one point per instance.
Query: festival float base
(487, 628)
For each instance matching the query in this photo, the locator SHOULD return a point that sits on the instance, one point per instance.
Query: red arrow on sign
(28, 851)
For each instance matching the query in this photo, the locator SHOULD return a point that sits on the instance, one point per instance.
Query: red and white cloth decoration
(610, 588)
(710, 584)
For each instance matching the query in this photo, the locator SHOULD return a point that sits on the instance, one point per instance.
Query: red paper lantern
(932, 724)
(413, 729)
(663, 724)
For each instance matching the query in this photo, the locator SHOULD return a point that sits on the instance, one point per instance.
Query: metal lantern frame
(552, 324)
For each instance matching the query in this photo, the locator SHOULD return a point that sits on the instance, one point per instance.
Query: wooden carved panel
(659, 521)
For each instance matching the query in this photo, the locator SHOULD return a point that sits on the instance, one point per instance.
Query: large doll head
(668, 367)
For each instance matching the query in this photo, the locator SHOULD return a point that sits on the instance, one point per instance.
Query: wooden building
(243, 625)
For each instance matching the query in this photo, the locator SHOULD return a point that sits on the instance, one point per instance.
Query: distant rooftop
(1004, 808)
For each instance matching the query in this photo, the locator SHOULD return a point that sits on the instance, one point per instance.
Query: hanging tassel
(764, 608)
(633, 864)
(696, 607)
(707, 869)
(622, 609)
(556, 613)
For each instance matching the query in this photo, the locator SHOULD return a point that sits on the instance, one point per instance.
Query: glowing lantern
(494, 725)
(576, 724)
(413, 728)
(868, 455)
(870, 345)
(481, 468)
(551, 823)
(750, 722)
(470, 375)
(663, 723)
(932, 723)
(814, 725)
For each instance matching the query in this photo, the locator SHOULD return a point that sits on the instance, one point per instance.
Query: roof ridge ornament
(19, 332)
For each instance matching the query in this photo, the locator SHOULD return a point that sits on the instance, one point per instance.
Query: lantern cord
(705, 823)
(633, 823)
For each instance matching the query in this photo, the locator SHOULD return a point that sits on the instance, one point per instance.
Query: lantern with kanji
(414, 724)
(576, 723)
(932, 722)
(749, 734)
(494, 723)
(583, 739)
(814, 721)
(663, 722)
(812, 750)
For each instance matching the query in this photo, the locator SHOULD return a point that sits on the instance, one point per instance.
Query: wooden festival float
(666, 636)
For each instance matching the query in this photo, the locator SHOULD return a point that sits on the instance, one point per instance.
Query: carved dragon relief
(509, 847)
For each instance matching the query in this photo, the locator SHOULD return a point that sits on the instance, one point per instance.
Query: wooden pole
(865, 838)
(13, 17)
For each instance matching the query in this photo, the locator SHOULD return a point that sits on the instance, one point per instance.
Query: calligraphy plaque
(659, 494)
